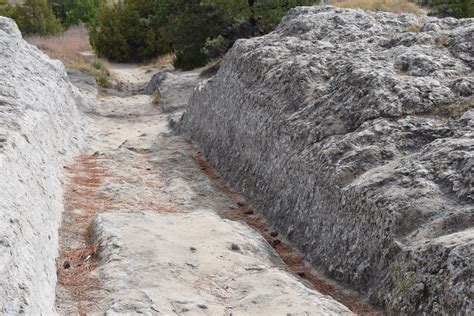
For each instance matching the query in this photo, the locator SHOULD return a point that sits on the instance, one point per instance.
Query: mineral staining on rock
(355, 137)
(40, 128)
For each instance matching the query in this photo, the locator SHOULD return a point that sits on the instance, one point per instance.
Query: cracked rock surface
(355, 137)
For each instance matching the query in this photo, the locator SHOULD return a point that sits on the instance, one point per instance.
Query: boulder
(172, 89)
(154, 84)
(354, 135)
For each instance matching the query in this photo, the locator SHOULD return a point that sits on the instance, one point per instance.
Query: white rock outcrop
(40, 128)
(353, 132)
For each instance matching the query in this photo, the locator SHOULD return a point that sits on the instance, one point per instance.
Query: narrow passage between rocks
(150, 228)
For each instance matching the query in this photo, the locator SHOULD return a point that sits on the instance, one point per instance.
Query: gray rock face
(355, 137)
(40, 127)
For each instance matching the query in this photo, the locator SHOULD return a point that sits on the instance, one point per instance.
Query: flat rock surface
(198, 264)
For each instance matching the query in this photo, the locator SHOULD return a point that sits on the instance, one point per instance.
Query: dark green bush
(454, 8)
(71, 12)
(34, 17)
(202, 30)
(122, 34)
(191, 29)
(189, 58)
(196, 30)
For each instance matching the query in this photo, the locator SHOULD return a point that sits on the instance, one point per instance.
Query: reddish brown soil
(82, 201)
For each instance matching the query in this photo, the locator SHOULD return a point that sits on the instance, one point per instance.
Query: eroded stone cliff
(40, 128)
(353, 133)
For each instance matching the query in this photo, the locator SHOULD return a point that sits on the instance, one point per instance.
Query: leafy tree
(196, 30)
(188, 30)
(76, 11)
(123, 34)
(197, 25)
(34, 17)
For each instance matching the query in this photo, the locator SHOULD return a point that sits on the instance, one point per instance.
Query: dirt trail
(141, 233)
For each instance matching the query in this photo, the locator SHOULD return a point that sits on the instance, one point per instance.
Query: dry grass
(165, 59)
(156, 97)
(69, 47)
(74, 50)
(396, 6)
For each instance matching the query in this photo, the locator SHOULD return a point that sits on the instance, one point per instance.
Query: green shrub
(215, 47)
(202, 30)
(72, 12)
(196, 30)
(97, 64)
(34, 17)
(96, 69)
(455, 8)
(189, 58)
(122, 34)
(103, 80)
(191, 29)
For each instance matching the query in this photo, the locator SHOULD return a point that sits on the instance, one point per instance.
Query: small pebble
(66, 265)
(234, 247)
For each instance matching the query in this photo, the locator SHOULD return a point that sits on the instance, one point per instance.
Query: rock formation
(353, 133)
(40, 127)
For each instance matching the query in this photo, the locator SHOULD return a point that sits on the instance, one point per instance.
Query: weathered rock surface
(196, 263)
(40, 127)
(356, 138)
(156, 81)
(174, 89)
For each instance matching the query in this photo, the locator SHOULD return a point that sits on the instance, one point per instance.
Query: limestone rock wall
(40, 128)
(353, 133)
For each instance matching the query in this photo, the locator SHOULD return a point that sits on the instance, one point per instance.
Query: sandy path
(141, 233)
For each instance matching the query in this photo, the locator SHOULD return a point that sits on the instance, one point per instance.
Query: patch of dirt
(77, 255)
(79, 290)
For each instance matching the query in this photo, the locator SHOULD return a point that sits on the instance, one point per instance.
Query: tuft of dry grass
(156, 97)
(395, 6)
(414, 28)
